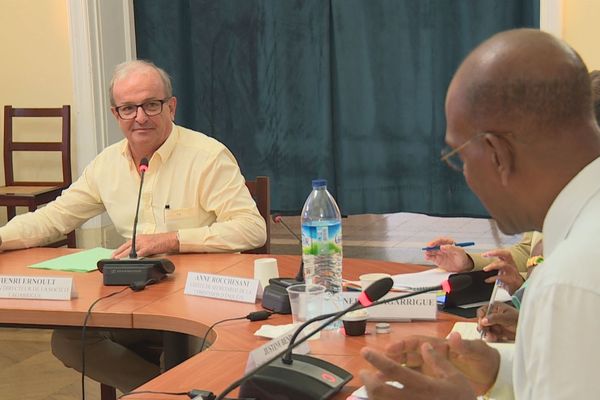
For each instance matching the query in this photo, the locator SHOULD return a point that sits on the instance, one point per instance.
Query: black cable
(253, 316)
(83, 330)
(212, 326)
(191, 394)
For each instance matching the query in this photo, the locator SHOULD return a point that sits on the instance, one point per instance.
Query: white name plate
(222, 287)
(263, 353)
(36, 287)
(423, 306)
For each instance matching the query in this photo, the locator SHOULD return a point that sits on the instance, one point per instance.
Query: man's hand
(500, 324)
(146, 245)
(443, 381)
(449, 257)
(508, 273)
(477, 361)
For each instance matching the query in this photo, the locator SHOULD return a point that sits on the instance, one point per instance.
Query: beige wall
(35, 72)
(581, 29)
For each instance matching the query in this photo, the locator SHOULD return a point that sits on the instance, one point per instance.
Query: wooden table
(164, 306)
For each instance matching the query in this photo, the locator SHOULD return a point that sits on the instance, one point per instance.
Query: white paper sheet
(420, 280)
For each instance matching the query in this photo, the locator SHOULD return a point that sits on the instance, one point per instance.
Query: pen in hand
(497, 284)
(461, 244)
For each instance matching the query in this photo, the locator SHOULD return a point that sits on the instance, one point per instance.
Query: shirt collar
(163, 152)
(568, 204)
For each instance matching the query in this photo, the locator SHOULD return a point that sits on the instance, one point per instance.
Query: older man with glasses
(544, 177)
(194, 199)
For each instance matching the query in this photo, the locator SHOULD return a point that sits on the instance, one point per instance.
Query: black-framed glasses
(151, 108)
(452, 157)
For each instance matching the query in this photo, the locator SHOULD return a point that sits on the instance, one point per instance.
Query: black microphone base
(125, 272)
(275, 295)
(276, 299)
(307, 378)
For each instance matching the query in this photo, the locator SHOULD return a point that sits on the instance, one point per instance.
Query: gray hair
(123, 69)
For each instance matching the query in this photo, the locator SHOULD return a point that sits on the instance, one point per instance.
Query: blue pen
(462, 244)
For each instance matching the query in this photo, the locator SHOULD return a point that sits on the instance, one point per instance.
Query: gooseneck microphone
(134, 272)
(312, 378)
(370, 298)
(275, 295)
(279, 220)
(142, 168)
(454, 283)
(374, 292)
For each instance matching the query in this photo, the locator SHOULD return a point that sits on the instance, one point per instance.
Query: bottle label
(322, 240)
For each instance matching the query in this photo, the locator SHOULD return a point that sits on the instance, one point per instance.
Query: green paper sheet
(83, 261)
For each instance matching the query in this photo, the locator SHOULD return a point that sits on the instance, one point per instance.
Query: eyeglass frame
(137, 106)
(447, 153)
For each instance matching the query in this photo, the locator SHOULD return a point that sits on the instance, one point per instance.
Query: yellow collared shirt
(193, 185)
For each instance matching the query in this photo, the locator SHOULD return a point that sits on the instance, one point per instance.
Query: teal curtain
(347, 90)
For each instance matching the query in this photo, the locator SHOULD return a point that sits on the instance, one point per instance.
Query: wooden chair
(107, 392)
(28, 193)
(261, 192)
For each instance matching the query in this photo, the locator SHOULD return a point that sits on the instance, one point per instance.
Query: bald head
(525, 77)
(519, 110)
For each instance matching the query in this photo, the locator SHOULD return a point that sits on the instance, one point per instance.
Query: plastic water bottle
(322, 244)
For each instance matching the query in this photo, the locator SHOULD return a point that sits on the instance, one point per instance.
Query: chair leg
(107, 392)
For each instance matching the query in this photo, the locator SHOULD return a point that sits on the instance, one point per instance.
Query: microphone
(275, 295)
(313, 378)
(279, 220)
(143, 167)
(374, 292)
(134, 272)
(370, 298)
(454, 283)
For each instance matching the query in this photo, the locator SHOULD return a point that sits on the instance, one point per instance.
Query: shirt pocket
(183, 218)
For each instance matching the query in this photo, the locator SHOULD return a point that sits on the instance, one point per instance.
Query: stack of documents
(420, 280)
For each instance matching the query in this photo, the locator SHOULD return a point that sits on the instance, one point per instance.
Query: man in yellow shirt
(194, 199)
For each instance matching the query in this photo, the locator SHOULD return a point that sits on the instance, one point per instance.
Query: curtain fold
(347, 90)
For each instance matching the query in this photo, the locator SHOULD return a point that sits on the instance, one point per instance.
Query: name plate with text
(37, 287)
(222, 287)
(265, 352)
(423, 306)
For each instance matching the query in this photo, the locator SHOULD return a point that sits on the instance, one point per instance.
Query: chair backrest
(261, 192)
(64, 146)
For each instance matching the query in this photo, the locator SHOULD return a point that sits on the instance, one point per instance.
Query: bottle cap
(317, 183)
(382, 327)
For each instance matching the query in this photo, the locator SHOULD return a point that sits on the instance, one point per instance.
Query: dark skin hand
(500, 325)
(449, 257)
(443, 382)
(432, 368)
(508, 272)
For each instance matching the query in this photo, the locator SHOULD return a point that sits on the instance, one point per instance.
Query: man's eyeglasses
(452, 157)
(151, 108)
